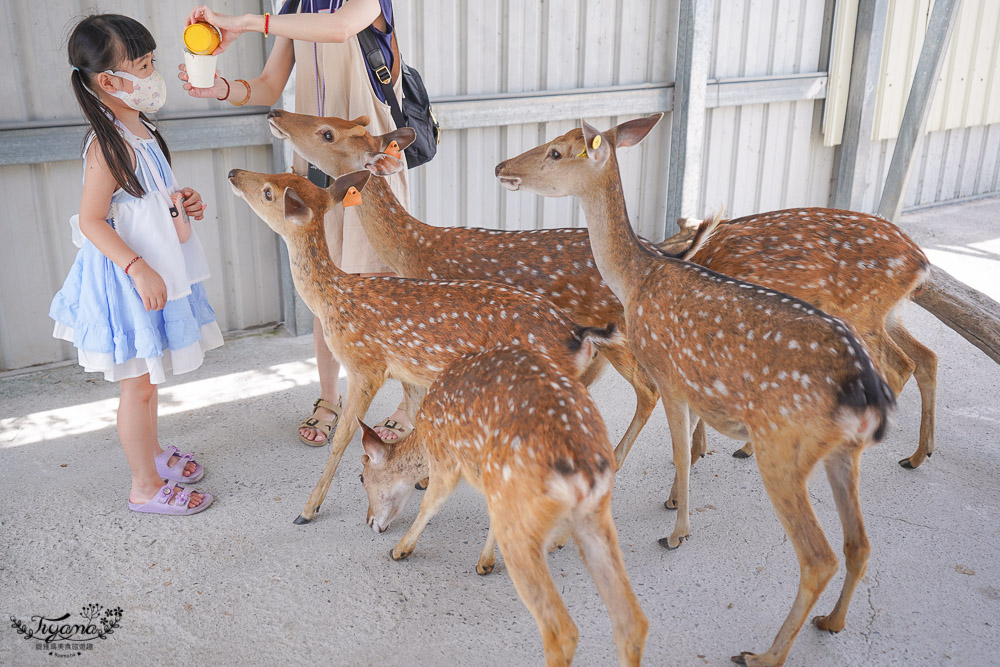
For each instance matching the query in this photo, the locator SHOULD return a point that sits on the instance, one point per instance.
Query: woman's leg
(329, 376)
(400, 414)
(137, 433)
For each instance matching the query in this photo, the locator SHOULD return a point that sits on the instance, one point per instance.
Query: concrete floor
(240, 584)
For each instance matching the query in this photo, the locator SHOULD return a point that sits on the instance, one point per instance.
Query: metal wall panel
(571, 44)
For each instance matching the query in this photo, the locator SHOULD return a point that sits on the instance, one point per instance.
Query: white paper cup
(200, 69)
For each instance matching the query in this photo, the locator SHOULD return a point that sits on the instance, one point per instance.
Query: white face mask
(147, 96)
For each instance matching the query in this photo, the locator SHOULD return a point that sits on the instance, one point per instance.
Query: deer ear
(376, 450)
(363, 121)
(595, 147)
(296, 210)
(403, 137)
(632, 132)
(341, 186)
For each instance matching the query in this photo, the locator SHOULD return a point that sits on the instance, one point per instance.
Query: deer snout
(233, 173)
(500, 168)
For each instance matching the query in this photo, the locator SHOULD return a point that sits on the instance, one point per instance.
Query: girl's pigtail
(116, 152)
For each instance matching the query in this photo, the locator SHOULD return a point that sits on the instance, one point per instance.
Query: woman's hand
(152, 290)
(218, 89)
(231, 27)
(193, 206)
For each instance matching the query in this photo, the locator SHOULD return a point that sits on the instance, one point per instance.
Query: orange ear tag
(352, 198)
(393, 150)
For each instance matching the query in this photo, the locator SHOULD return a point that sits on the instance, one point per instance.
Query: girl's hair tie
(75, 68)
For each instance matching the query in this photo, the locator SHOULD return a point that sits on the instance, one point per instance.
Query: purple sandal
(175, 473)
(160, 504)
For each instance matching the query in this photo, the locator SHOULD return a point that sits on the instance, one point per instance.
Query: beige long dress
(332, 80)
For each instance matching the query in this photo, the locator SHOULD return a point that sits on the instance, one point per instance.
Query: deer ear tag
(594, 145)
(393, 150)
(352, 198)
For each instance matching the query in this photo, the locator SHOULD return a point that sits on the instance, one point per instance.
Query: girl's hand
(217, 90)
(152, 290)
(231, 27)
(193, 204)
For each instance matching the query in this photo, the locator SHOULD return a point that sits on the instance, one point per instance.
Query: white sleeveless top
(145, 223)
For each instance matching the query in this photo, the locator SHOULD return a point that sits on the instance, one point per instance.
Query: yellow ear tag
(352, 198)
(594, 145)
(393, 150)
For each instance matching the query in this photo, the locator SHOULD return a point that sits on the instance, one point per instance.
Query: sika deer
(749, 360)
(855, 266)
(442, 320)
(555, 263)
(544, 463)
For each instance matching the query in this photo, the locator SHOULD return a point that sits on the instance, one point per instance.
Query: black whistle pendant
(174, 212)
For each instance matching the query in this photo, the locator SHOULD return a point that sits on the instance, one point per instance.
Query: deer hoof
(740, 454)
(670, 503)
(906, 463)
(665, 543)
(300, 520)
(741, 659)
(421, 485)
(823, 623)
(484, 569)
(402, 556)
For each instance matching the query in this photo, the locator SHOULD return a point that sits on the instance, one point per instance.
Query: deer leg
(524, 554)
(786, 486)
(925, 371)
(699, 440)
(842, 469)
(598, 541)
(678, 419)
(699, 445)
(361, 390)
(646, 396)
(414, 396)
(487, 557)
(444, 478)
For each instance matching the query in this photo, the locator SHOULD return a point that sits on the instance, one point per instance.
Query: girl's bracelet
(228, 90)
(129, 265)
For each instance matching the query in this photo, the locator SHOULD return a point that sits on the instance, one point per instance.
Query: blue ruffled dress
(98, 308)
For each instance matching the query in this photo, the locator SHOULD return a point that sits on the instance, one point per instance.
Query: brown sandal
(324, 426)
(393, 425)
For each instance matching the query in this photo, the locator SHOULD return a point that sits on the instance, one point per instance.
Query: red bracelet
(129, 265)
(267, 20)
(226, 96)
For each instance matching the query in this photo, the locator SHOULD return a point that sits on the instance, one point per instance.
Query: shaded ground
(240, 584)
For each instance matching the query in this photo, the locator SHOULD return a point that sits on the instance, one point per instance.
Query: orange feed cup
(202, 38)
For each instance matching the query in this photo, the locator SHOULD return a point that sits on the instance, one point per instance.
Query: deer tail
(704, 233)
(866, 398)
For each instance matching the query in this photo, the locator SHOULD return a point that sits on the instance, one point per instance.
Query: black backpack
(416, 111)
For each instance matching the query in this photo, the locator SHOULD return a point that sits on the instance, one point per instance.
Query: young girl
(133, 304)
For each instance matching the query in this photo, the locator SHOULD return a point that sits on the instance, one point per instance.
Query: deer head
(568, 164)
(388, 475)
(291, 205)
(339, 146)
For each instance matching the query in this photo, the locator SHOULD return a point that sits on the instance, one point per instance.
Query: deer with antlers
(544, 463)
(749, 360)
(555, 263)
(441, 320)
